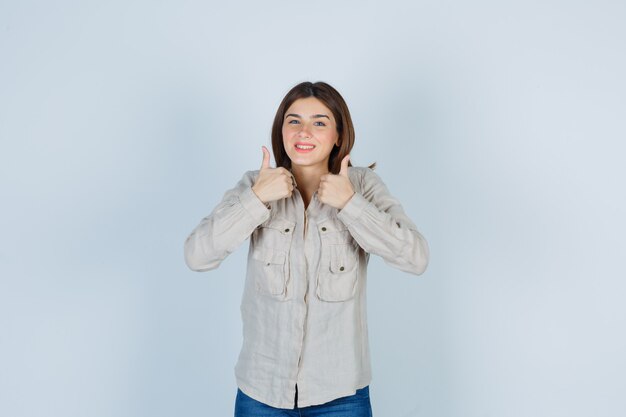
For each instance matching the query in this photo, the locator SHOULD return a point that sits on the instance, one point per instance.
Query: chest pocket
(338, 273)
(270, 254)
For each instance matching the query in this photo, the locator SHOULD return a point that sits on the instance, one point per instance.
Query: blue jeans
(357, 405)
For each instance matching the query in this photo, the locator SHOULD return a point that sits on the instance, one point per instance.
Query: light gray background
(499, 125)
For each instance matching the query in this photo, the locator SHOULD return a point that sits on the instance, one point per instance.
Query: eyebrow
(315, 116)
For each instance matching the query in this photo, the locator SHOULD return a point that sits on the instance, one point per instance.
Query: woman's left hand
(336, 190)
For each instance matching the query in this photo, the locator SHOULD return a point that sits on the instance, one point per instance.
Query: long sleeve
(380, 226)
(230, 223)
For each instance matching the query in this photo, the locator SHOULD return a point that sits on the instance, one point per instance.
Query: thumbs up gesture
(272, 183)
(336, 190)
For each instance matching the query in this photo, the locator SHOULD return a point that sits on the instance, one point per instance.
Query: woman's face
(309, 122)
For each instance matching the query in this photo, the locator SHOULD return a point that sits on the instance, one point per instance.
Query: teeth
(305, 146)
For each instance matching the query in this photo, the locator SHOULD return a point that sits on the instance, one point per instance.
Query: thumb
(344, 166)
(266, 158)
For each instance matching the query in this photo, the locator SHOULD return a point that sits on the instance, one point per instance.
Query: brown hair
(337, 105)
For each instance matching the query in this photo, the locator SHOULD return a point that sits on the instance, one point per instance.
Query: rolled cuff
(254, 206)
(353, 209)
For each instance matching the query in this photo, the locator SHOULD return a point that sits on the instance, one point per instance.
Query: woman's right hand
(272, 183)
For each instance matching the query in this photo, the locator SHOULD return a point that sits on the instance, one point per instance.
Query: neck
(308, 177)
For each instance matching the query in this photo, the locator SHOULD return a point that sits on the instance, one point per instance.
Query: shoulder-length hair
(337, 105)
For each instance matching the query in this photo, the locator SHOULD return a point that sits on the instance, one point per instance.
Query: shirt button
(398, 224)
(341, 268)
(286, 230)
(323, 229)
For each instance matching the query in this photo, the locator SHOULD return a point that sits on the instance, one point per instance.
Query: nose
(304, 132)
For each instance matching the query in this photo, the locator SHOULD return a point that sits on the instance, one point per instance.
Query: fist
(336, 190)
(272, 183)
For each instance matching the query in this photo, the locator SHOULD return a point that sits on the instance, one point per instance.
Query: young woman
(313, 222)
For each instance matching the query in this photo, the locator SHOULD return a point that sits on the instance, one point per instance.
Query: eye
(294, 121)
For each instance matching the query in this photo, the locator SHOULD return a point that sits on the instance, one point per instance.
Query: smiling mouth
(305, 147)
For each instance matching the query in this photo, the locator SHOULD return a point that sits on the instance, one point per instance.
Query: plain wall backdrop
(498, 125)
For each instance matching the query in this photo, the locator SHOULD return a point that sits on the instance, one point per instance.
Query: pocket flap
(343, 258)
(268, 255)
(331, 224)
(281, 224)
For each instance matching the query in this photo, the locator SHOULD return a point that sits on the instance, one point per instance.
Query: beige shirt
(304, 300)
